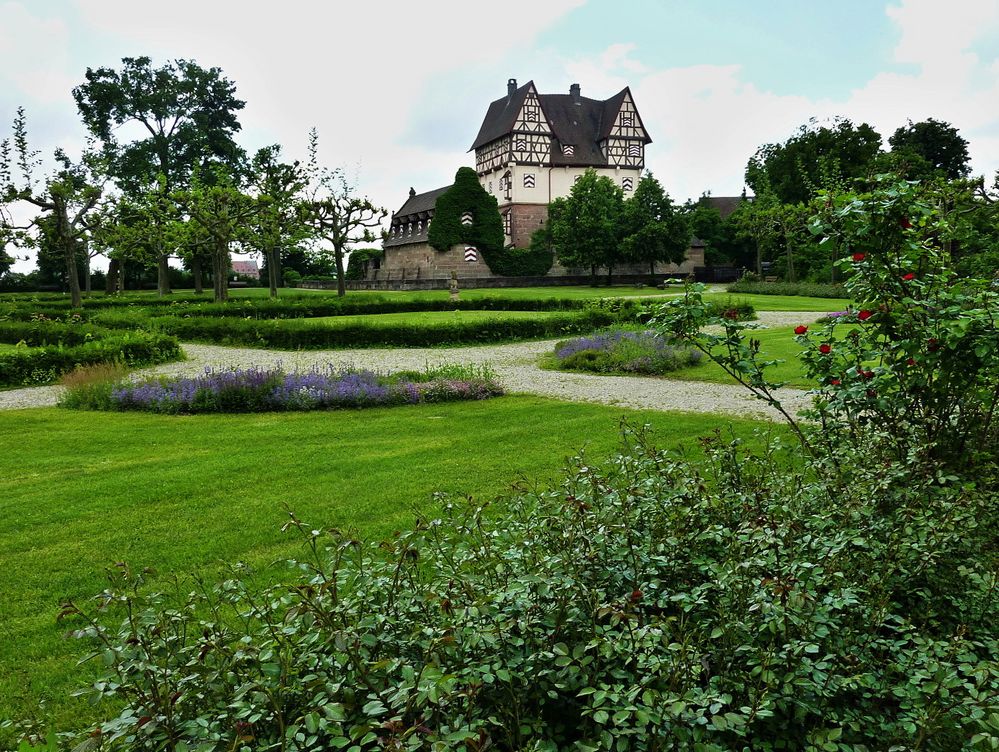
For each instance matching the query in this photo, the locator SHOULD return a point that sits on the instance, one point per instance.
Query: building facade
(530, 149)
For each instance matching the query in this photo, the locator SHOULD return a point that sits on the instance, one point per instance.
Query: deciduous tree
(654, 229)
(936, 142)
(586, 227)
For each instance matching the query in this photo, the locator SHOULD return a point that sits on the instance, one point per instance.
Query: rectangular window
(634, 150)
(627, 119)
(531, 114)
(528, 179)
(506, 223)
(628, 184)
(568, 149)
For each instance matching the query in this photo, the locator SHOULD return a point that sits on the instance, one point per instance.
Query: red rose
(906, 224)
(825, 349)
(858, 257)
(910, 362)
(932, 345)
(908, 277)
(800, 329)
(867, 374)
(835, 382)
(864, 315)
(636, 595)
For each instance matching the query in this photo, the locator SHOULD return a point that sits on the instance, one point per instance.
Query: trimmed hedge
(805, 289)
(40, 365)
(301, 334)
(519, 262)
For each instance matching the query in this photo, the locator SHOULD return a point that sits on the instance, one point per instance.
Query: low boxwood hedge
(806, 289)
(44, 364)
(304, 334)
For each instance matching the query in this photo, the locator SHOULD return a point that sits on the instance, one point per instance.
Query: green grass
(431, 318)
(782, 302)
(194, 494)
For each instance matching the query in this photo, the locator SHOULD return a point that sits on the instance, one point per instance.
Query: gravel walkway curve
(515, 366)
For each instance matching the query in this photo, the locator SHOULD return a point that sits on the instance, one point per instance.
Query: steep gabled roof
(501, 116)
(419, 202)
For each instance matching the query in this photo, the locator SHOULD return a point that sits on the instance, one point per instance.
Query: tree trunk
(163, 274)
(121, 277)
(220, 271)
(341, 284)
(272, 270)
(72, 275)
(86, 278)
(199, 280)
(652, 273)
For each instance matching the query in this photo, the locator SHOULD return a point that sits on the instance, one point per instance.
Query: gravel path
(515, 366)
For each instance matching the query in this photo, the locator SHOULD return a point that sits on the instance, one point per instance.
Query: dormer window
(568, 149)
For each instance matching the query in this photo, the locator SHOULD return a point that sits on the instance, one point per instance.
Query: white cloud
(708, 120)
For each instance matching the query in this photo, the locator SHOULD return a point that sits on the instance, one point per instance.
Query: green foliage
(467, 196)
(816, 156)
(358, 258)
(936, 144)
(586, 226)
(187, 116)
(653, 227)
(297, 333)
(519, 262)
(809, 289)
(45, 362)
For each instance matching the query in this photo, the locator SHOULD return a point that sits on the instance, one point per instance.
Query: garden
(513, 572)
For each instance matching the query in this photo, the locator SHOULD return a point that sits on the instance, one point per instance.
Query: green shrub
(519, 262)
(358, 258)
(303, 334)
(807, 289)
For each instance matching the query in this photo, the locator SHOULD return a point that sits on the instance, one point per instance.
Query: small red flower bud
(906, 224)
(867, 374)
(864, 315)
(825, 349)
(636, 595)
(908, 277)
(800, 329)
(835, 382)
(932, 344)
(858, 257)
(871, 393)
(910, 362)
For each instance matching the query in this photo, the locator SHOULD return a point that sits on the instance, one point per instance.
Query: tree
(466, 214)
(69, 197)
(277, 226)
(586, 227)
(222, 210)
(334, 213)
(817, 156)
(188, 112)
(936, 142)
(654, 228)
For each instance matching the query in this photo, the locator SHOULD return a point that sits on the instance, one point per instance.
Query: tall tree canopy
(186, 116)
(938, 143)
(586, 226)
(817, 156)
(654, 228)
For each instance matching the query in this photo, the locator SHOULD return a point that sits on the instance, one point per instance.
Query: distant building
(246, 269)
(530, 149)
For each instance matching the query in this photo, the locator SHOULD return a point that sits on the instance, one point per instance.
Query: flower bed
(238, 390)
(621, 351)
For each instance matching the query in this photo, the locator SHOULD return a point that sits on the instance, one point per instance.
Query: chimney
(574, 93)
(511, 87)
(412, 192)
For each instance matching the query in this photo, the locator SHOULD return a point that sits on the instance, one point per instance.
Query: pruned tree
(69, 197)
(222, 210)
(334, 213)
(654, 229)
(278, 225)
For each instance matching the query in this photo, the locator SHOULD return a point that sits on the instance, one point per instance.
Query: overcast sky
(398, 89)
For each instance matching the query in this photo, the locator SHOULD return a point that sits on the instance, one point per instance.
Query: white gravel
(514, 364)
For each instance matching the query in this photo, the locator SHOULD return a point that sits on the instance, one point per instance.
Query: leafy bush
(807, 289)
(39, 365)
(358, 258)
(238, 390)
(519, 262)
(293, 334)
(621, 351)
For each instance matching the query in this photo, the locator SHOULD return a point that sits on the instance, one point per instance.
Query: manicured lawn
(782, 302)
(432, 318)
(194, 494)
